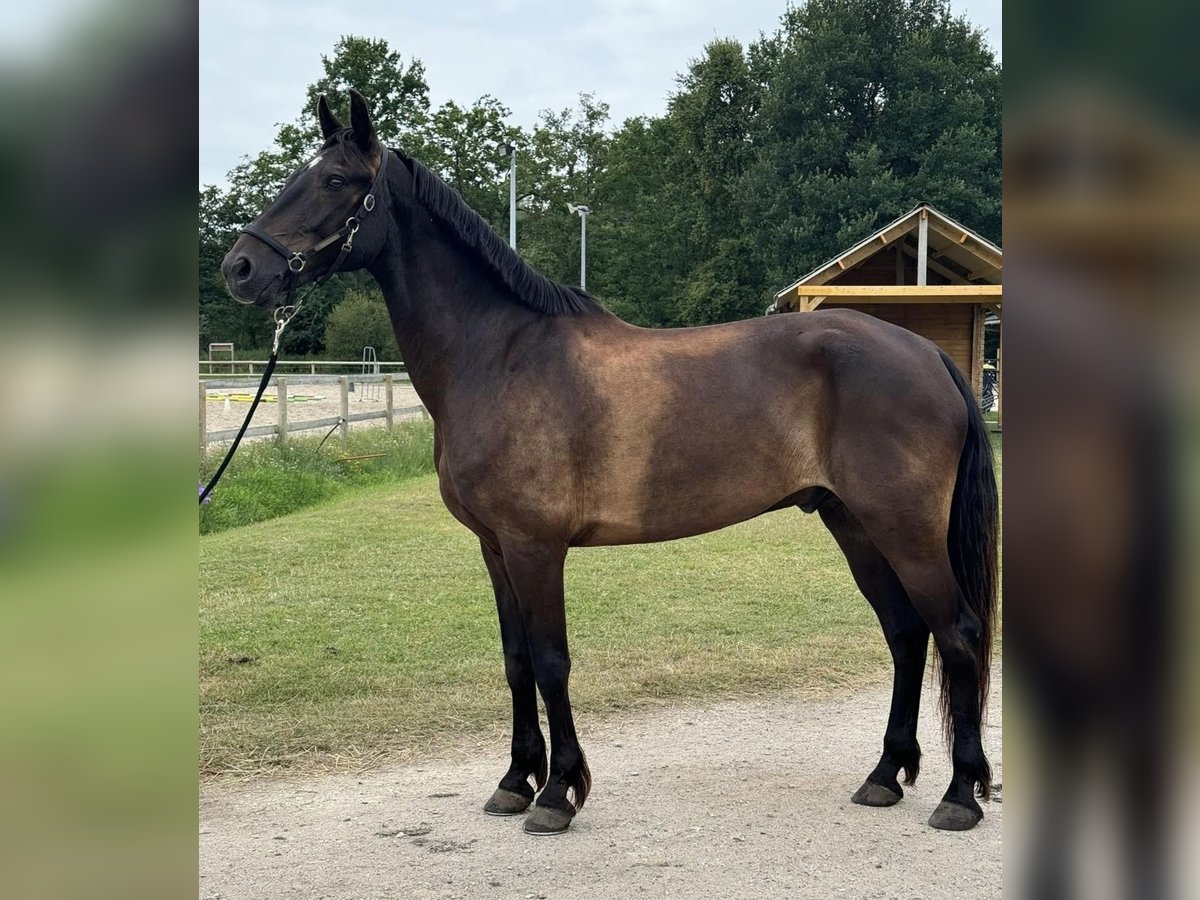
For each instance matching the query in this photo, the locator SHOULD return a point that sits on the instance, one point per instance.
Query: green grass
(373, 630)
(371, 633)
(267, 480)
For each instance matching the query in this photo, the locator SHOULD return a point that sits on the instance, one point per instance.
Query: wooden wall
(952, 326)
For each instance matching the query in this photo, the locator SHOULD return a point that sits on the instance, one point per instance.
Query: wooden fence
(284, 426)
(248, 367)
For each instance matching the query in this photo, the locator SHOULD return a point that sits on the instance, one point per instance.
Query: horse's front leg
(515, 793)
(536, 573)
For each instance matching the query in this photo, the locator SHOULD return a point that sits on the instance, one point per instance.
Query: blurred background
(97, 545)
(1101, 221)
(97, 539)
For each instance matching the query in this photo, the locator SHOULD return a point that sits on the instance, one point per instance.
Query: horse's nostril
(242, 268)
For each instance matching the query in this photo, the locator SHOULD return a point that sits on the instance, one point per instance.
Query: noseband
(298, 259)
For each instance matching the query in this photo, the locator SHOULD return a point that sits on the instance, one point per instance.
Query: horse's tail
(974, 522)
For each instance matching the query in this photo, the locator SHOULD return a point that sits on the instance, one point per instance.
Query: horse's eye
(335, 181)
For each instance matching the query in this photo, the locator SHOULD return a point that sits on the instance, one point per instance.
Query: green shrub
(360, 320)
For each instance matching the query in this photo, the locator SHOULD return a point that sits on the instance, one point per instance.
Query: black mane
(528, 285)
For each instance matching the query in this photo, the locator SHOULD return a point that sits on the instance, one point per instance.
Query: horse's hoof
(506, 803)
(547, 820)
(872, 794)
(955, 817)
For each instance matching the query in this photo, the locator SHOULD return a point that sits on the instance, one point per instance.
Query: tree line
(768, 159)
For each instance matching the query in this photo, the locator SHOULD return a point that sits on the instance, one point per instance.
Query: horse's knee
(552, 668)
(959, 646)
(909, 644)
(518, 668)
(970, 630)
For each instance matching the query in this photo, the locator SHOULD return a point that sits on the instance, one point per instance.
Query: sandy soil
(329, 405)
(736, 799)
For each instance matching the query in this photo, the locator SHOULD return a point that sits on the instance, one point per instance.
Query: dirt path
(737, 799)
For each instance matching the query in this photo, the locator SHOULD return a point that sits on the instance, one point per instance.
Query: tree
(360, 319)
(221, 319)
(398, 93)
(562, 162)
(467, 147)
(715, 109)
(870, 106)
(714, 112)
(647, 223)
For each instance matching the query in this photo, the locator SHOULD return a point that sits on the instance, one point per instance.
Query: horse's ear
(329, 123)
(360, 121)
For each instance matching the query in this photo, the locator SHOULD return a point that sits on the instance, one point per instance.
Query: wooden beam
(1000, 382)
(923, 248)
(344, 406)
(986, 272)
(905, 293)
(934, 266)
(977, 349)
(987, 254)
(281, 404)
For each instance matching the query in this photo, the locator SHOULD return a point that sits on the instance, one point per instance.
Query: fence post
(344, 384)
(203, 419)
(281, 401)
(388, 409)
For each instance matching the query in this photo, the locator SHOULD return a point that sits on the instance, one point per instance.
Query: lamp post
(512, 195)
(584, 212)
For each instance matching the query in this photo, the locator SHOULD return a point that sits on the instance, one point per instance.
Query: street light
(584, 212)
(512, 195)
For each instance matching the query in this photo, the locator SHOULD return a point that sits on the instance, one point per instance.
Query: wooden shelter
(925, 272)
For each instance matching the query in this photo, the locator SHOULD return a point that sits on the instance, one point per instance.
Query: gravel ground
(735, 799)
(328, 405)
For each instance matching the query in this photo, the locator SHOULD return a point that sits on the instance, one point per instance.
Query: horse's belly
(666, 514)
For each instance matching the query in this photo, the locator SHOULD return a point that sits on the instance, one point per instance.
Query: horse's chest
(458, 505)
(497, 487)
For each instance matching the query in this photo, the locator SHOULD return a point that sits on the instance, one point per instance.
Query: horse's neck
(452, 320)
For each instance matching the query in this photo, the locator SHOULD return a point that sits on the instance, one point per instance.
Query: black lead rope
(262, 386)
(296, 261)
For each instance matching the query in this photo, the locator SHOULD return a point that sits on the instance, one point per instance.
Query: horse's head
(311, 228)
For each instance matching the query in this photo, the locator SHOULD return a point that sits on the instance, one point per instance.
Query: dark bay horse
(559, 425)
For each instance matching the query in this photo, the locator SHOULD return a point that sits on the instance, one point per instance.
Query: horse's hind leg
(907, 637)
(515, 793)
(919, 557)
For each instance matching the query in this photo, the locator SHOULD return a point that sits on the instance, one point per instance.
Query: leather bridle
(297, 260)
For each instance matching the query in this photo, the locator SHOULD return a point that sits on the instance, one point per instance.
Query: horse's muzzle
(251, 278)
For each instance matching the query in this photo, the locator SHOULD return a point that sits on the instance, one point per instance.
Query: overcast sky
(258, 56)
